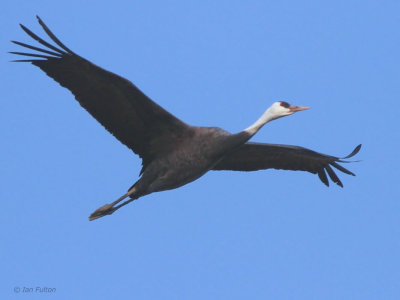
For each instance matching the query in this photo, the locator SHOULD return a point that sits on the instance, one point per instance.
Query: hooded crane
(173, 153)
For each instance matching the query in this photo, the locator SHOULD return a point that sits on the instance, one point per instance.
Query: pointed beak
(297, 108)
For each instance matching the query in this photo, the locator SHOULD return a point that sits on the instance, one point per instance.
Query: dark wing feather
(127, 113)
(257, 156)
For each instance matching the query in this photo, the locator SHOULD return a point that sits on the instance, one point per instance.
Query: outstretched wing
(128, 114)
(257, 156)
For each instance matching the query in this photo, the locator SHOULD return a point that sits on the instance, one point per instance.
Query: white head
(282, 109)
(276, 110)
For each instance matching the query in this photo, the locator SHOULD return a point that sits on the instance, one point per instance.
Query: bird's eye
(285, 104)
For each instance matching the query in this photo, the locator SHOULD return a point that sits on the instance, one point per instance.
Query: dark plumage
(173, 153)
(257, 156)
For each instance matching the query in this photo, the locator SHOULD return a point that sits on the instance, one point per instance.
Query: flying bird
(173, 153)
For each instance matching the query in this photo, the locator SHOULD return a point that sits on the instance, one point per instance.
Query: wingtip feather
(322, 176)
(24, 60)
(41, 50)
(53, 37)
(23, 27)
(40, 40)
(340, 168)
(354, 152)
(333, 176)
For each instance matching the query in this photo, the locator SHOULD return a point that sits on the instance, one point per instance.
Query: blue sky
(262, 235)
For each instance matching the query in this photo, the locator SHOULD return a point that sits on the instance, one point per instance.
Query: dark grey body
(197, 154)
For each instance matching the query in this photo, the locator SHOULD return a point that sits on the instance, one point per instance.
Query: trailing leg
(108, 209)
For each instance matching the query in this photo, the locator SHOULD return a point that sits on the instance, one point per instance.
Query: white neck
(264, 119)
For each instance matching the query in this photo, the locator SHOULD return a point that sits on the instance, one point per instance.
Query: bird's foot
(107, 209)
